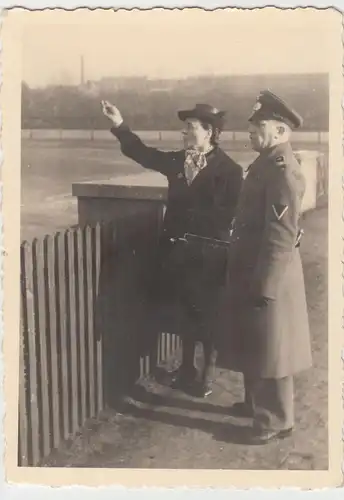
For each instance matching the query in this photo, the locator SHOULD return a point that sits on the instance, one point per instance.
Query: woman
(203, 189)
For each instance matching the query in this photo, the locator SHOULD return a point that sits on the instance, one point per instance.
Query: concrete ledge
(308, 163)
(124, 195)
(110, 199)
(144, 186)
(314, 166)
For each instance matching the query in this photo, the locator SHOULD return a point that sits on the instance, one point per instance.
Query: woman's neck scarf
(195, 161)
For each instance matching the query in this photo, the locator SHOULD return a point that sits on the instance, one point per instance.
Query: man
(270, 338)
(203, 188)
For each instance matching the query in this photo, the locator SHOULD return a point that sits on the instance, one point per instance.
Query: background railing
(88, 329)
(163, 136)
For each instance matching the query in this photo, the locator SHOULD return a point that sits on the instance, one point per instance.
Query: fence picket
(41, 326)
(147, 365)
(90, 323)
(96, 277)
(30, 344)
(72, 331)
(60, 280)
(163, 346)
(80, 287)
(168, 345)
(50, 291)
(23, 428)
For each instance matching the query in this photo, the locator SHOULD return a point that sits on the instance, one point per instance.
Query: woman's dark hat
(271, 107)
(203, 112)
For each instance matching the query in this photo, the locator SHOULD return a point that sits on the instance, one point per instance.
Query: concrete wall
(107, 200)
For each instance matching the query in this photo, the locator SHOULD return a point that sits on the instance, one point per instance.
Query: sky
(172, 44)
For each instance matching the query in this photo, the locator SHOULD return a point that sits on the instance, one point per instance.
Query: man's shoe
(204, 390)
(241, 410)
(265, 437)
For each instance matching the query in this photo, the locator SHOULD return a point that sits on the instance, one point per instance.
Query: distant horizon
(150, 103)
(179, 78)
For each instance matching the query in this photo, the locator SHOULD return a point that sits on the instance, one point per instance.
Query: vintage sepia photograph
(175, 242)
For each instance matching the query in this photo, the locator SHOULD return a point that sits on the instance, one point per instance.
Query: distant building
(159, 85)
(90, 87)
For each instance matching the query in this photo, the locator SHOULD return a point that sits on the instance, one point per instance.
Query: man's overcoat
(271, 341)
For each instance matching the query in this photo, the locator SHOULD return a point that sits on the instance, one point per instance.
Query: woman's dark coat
(205, 208)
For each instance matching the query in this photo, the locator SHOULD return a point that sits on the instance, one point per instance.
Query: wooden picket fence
(86, 329)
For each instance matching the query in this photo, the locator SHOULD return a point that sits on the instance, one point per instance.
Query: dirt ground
(161, 428)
